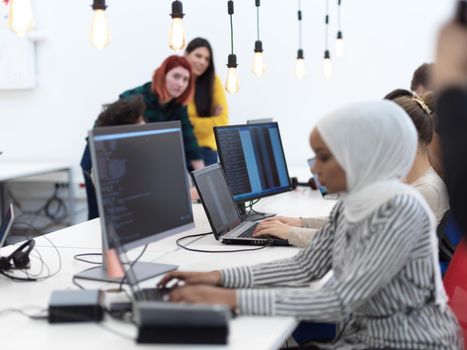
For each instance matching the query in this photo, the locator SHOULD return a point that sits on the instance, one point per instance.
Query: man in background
(421, 80)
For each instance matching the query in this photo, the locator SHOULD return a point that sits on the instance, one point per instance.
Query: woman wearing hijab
(166, 97)
(422, 176)
(379, 241)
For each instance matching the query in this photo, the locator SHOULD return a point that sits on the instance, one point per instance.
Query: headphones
(19, 259)
(311, 183)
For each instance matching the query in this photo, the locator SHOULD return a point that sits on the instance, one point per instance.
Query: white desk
(14, 169)
(245, 332)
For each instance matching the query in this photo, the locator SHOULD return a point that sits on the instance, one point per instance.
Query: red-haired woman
(166, 97)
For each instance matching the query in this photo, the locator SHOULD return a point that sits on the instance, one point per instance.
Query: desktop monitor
(142, 189)
(253, 160)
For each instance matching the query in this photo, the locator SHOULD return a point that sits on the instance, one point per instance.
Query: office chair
(455, 283)
(449, 236)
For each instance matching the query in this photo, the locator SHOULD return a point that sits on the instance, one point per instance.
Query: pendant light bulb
(232, 84)
(340, 48)
(300, 65)
(100, 33)
(177, 39)
(327, 65)
(20, 18)
(258, 61)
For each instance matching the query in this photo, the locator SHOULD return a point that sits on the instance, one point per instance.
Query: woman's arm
(309, 264)
(381, 256)
(204, 125)
(192, 150)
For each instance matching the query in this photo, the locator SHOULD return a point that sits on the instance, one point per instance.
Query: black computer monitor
(142, 188)
(253, 160)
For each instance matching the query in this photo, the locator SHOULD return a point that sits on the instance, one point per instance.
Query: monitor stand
(252, 215)
(143, 271)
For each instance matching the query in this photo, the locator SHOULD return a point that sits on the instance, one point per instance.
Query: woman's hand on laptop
(212, 278)
(274, 228)
(286, 220)
(204, 295)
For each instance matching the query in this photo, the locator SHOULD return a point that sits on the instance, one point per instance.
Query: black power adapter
(76, 306)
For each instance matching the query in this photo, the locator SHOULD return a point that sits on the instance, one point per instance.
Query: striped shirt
(383, 289)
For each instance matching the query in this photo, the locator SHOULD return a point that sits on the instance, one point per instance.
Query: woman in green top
(166, 97)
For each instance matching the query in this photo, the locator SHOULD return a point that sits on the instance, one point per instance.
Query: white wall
(385, 41)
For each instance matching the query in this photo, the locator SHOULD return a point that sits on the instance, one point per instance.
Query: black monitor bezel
(254, 125)
(110, 130)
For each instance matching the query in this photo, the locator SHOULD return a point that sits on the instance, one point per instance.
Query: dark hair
(422, 76)
(398, 93)
(127, 110)
(204, 85)
(421, 111)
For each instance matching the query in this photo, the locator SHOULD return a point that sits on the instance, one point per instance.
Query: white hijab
(375, 143)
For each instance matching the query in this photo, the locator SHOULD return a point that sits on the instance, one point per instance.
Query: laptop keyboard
(249, 233)
(152, 294)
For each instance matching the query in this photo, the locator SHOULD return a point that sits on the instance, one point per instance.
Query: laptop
(152, 308)
(7, 222)
(259, 121)
(226, 222)
(322, 189)
(137, 293)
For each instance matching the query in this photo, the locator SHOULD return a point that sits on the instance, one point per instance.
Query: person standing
(166, 97)
(209, 107)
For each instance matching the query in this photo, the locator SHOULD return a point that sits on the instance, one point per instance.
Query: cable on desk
(214, 251)
(120, 286)
(73, 280)
(54, 208)
(78, 257)
(49, 275)
(36, 277)
(25, 314)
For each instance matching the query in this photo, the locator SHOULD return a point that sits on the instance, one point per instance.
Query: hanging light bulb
(177, 40)
(232, 84)
(20, 18)
(340, 38)
(327, 64)
(100, 33)
(300, 65)
(258, 61)
(340, 45)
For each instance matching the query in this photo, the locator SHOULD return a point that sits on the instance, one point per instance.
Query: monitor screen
(253, 160)
(141, 182)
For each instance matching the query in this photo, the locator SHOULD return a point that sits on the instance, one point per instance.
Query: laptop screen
(217, 199)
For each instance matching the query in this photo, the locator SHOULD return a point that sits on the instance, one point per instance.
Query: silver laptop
(226, 222)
